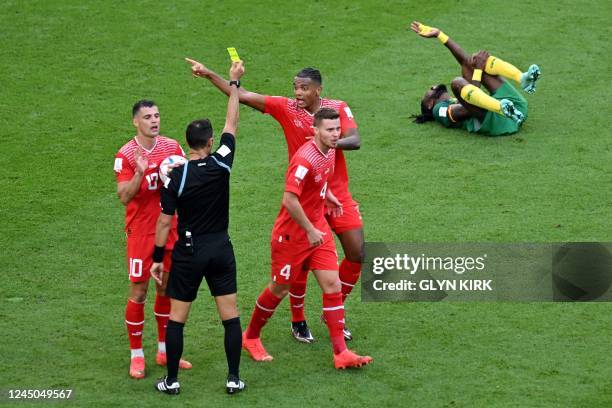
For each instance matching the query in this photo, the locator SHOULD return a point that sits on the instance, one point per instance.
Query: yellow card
(233, 54)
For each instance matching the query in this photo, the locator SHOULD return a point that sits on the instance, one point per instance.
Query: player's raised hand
(236, 70)
(423, 30)
(479, 60)
(141, 162)
(315, 237)
(197, 68)
(157, 269)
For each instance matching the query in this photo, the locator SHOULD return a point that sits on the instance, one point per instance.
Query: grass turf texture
(71, 72)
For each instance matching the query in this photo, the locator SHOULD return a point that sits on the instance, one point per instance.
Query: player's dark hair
(325, 113)
(311, 73)
(427, 113)
(198, 133)
(143, 103)
(425, 116)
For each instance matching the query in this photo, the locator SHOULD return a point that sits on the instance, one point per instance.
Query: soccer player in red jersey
(136, 167)
(302, 235)
(296, 118)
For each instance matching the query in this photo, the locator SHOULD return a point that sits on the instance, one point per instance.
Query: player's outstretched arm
(252, 99)
(432, 32)
(233, 107)
(292, 203)
(162, 229)
(351, 141)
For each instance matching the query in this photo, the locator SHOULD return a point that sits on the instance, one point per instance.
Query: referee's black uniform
(199, 192)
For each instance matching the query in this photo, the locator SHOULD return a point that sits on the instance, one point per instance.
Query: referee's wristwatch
(237, 83)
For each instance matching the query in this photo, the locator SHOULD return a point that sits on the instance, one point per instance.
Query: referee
(199, 193)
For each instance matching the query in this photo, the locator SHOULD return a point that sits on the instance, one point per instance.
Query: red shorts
(140, 257)
(349, 220)
(288, 258)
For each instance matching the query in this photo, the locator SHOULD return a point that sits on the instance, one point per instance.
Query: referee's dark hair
(143, 103)
(198, 133)
(311, 73)
(325, 113)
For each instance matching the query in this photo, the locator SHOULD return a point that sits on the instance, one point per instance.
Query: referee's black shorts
(212, 258)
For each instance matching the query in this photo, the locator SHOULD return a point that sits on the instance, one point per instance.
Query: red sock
(349, 275)
(134, 320)
(162, 314)
(297, 294)
(333, 311)
(264, 309)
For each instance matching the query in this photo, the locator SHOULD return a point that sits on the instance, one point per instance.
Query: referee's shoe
(234, 384)
(162, 386)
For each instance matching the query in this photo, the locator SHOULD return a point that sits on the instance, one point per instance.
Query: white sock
(137, 352)
(161, 346)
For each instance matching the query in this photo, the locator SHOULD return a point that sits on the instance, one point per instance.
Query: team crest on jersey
(298, 123)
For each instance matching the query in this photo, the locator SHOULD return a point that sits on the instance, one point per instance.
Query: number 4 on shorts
(285, 272)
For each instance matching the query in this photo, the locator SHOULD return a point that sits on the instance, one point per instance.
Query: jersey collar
(143, 148)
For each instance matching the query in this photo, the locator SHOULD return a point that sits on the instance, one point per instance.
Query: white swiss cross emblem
(298, 123)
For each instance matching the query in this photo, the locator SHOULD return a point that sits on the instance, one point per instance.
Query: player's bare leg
(162, 314)
(228, 312)
(179, 311)
(352, 242)
(333, 311)
(265, 306)
(134, 320)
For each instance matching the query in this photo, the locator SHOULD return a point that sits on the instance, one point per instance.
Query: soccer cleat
(137, 368)
(348, 336)
(301, 332)
(348, 359)
(510, 111)
(162, 360)
(234, 384)
(529, 78)
(172, 389)
(255, 349)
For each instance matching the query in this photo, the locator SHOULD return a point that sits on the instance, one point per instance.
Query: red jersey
(306, 177)
(142, 211)
(297, 126)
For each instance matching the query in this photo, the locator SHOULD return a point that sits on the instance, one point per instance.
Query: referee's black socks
(233, 345)
(174, 348)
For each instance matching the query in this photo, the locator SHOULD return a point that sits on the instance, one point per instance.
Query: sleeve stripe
(183, 179)
(450, 115)
(225, 166)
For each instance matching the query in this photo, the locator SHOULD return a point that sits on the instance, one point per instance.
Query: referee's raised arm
(233, 105)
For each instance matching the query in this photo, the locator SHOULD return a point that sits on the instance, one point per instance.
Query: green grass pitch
(71, 71)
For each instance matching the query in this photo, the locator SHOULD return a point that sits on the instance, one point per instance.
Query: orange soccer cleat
(255, 349)
(162, 360)
(348, 359)
(137, 368)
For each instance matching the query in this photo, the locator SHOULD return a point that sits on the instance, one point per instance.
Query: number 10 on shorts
(135, 267)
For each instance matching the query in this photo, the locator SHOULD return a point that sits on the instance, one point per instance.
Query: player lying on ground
(301, 234)
(136, 167)
(501, 112)
(199, 193)
(296, 118)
